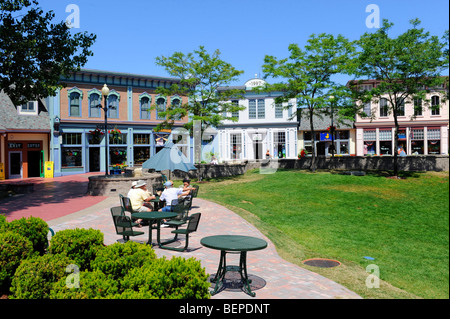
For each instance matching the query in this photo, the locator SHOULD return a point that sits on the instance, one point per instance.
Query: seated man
(140, 197)
(187, 187)
(170, 194)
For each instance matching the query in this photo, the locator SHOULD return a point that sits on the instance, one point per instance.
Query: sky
(132, 33)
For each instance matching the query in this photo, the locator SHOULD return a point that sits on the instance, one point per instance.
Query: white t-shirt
(170, 194)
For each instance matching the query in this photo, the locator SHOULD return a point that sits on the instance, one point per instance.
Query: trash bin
(2, 171)
(48, 170)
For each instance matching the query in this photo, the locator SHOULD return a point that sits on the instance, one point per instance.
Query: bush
(35, 277)
(13, 249)
(81, 245)
(177, 278)
(33, 228)
(118, 259)
(92, 285)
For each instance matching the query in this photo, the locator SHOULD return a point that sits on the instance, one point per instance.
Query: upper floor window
(145, 108)
(435, 104)
(160, 107)
(401, 107)
(113, 104)
(176, 103)
(417, 107)
(94, 105)
(236, 113)
(75, 104)
(75, 95)
(383, 107)
(252, 109)
(278, 111)
(367, 109)
(261, 109)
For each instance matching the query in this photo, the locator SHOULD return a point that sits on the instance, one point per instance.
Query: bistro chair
(192, 226)
(182, 210)
(123, 224)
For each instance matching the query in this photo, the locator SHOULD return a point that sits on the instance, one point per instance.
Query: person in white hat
(140, 197)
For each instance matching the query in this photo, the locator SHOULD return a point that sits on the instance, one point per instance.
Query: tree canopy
(35, 51)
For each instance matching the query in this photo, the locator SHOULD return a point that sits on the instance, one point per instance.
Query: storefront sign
(257, 137)
(34, 145)
(15, 145)
(325, 136)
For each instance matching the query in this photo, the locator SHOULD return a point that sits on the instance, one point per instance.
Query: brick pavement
(63, 203)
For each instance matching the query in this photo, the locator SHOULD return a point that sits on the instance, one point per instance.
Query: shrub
(3, 223)
(13, 249)
(81, 245)
(35, 277)
(33, 228)
(177, 278)
(118, 259)
(92, 285)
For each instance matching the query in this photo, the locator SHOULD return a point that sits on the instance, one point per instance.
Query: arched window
(160, 107)
(383, 107)
(144, 106)
(113, 104)
(94, 105)
(75, 96)
(176, 103)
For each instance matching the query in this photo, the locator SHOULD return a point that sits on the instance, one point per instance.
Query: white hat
(133, 184)
(140, 183)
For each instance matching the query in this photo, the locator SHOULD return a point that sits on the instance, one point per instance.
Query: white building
(262, 126)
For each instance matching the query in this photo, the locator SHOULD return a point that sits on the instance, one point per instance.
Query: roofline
(124, 74)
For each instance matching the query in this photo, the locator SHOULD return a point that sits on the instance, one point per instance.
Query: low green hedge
(35, 277)
(13, 249)
(79, 244)
(33, 228)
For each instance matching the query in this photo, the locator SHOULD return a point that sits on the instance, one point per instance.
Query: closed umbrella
(169, 158)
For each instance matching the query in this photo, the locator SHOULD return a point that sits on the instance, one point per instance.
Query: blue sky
(131, 34)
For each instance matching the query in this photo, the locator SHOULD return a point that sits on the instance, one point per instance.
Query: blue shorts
(166, 209)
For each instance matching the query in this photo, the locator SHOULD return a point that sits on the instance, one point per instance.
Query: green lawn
(402, 223)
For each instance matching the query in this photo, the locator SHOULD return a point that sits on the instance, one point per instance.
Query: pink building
(423, 126)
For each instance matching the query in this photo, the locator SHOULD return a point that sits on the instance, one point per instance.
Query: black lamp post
(105, 92)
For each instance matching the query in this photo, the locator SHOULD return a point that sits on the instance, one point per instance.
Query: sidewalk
(272, 277)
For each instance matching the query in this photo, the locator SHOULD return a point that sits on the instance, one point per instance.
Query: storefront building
(78, 139)
(24, 138)
(423, 126)
(262, 127)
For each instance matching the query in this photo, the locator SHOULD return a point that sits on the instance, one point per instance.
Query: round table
(233, 244)
(158, 216)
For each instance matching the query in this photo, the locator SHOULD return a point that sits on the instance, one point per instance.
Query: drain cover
(322, 263)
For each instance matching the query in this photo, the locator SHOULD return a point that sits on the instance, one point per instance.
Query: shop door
(258, 147)
(34, 163)
(15, 165)
(320, 148)
(94, 159)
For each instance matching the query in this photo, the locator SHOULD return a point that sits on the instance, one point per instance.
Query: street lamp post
(332, 126)
(105, 92)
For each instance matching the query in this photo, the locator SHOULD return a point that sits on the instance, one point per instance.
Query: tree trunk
(312, 168)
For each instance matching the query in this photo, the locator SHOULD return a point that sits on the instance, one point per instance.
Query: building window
(417, 141)
(261, 109)
(367, 109)
(383, 107)
(279, 144)
(236, 146)
(71, 150)
(117, 155)
(74, 104)
(434, 141)
(252, 109)
(176, 103)
(235, 114)
(385, 138)
(160, 107)
(418, 107)
(94, 105)
(401, 107)
(145, 108)
(278, 111)
(435, 105)
(113, 106)
(370, 144)
(29, 108)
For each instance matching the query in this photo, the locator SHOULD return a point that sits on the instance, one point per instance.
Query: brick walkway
(272, 277)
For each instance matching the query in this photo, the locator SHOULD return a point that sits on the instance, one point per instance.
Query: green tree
(406, 68)
(200, 74)
(35, 51)
(309, 74)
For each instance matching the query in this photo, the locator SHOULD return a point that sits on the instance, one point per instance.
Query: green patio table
(158, 216)
(233, 244)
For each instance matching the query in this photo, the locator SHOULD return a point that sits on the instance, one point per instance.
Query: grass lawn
(402, 223)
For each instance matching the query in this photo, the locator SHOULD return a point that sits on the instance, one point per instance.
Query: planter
(115, 171)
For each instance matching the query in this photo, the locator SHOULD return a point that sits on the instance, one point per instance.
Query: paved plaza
(63, 204)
